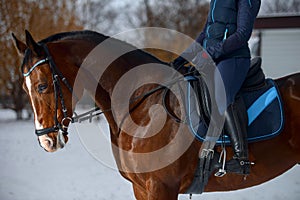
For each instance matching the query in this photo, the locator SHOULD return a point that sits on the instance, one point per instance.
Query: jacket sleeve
(247, 12)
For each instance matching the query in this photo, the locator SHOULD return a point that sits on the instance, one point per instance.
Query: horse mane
(88, 35)
(85, 34)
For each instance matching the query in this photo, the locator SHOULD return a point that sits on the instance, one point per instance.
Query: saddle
(261, 98)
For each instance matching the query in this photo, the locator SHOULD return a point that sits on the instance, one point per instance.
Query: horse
(51, 69)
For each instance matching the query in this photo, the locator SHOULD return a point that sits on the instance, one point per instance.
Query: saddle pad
(264, 109)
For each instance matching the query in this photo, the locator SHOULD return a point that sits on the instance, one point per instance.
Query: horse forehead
(30, 81)
(39, 73)
(29, 84)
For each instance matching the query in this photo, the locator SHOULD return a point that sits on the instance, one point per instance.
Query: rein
(57, 76)
(89, 115)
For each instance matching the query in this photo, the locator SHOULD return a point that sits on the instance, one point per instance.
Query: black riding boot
(236, 127)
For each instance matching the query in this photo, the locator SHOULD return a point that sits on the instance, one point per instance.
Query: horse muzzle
(53, 141)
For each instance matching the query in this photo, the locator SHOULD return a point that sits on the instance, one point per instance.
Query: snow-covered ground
(28, 172)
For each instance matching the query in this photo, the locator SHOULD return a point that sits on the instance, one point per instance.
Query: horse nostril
(48, 143)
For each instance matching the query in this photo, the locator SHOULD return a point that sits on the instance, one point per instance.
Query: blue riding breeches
(233, 72)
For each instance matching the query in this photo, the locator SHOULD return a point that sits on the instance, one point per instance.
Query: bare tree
(282, 6)
(99, 15)
(186, 16)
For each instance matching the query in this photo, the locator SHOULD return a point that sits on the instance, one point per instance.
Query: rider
(225, 38)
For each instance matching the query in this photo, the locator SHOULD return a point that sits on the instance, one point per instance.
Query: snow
(74, 173)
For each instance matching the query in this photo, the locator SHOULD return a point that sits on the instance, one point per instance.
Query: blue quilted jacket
(228, 28)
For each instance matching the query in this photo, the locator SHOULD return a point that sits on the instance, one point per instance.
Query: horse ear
(32, 45)
(20, 46)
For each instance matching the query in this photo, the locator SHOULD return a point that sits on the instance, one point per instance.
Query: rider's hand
(216, 51)
(179, 62)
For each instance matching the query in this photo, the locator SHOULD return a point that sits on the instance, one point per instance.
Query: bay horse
(51, 70)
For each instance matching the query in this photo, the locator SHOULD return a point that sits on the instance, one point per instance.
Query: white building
(278, 43)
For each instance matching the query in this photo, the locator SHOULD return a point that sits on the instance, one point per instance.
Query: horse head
(48, 84)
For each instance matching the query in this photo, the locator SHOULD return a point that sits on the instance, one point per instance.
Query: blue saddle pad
(265, 114)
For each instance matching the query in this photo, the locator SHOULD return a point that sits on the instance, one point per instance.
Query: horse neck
(102, 67)
(116, 58)
(88, 76)
(103, 101)
(110, 76)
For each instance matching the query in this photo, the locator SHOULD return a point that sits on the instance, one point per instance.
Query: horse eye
(42, 87)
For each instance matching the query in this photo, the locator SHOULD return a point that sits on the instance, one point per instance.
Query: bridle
(57, 78)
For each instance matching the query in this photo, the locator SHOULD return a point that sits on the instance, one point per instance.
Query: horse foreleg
(155, 190)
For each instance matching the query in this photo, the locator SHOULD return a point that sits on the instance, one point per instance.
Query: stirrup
(222, 172)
